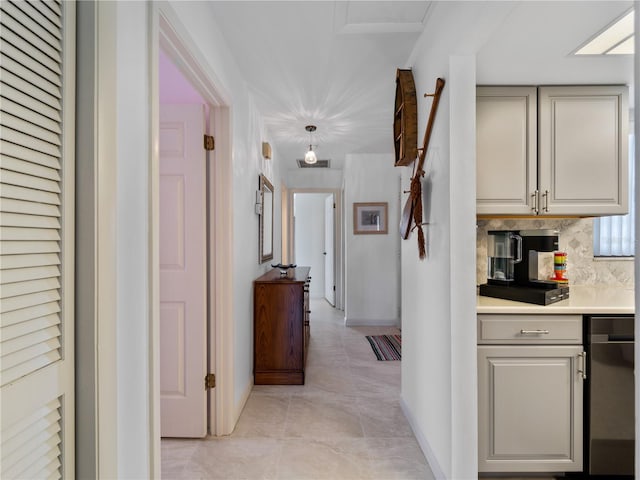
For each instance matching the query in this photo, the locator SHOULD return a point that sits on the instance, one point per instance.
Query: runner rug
(386, 347)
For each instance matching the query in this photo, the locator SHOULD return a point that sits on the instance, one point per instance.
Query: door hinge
(334, 205)
(334, 288)
(209, 142)
(210, 381)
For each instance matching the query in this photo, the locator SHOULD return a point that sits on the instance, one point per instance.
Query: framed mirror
(265, 241)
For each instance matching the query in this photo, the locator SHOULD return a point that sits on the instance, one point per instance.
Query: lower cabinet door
(530, 408)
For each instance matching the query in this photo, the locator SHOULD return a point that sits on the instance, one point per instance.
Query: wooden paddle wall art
(405, 119)
(412, 212)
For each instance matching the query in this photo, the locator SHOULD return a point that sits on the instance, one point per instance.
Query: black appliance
(513, 267)
(610, 399)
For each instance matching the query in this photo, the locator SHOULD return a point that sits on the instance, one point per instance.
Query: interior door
(329, 276)
(183, 280)
(37, 248)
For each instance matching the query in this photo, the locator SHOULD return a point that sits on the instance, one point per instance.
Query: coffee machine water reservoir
(504, 250)
(513, 267)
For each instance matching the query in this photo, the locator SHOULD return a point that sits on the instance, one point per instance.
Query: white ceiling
(332, 63)
(536, 40)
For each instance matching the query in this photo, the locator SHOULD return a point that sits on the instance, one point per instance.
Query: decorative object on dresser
(281, 326)
(284, 269)
(370, 218)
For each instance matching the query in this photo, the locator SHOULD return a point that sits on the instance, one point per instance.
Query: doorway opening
(316, 240)
(184, 285)
(178, 78)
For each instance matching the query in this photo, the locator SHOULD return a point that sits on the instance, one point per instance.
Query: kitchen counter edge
(583, 299)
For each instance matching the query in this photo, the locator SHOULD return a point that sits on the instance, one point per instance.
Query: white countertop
(583, 299)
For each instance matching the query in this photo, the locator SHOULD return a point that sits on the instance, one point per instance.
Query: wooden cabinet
(530, 394)
(552, 150)
(281, 327)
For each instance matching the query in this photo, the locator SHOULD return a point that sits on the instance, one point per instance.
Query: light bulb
(310, 157)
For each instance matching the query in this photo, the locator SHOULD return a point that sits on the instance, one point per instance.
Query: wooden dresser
(281, 327)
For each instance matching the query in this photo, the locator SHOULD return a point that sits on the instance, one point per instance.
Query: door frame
(338, 250)
(168, 32)
(330, 228)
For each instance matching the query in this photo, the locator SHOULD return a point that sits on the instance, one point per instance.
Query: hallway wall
(372, 262)
(325, 178)
(248, 134)
(128, 440)
(439, 391)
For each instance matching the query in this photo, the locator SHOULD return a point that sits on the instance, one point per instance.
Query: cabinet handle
(534, 201)
(546, 200)
(582, 369)
(534, 332)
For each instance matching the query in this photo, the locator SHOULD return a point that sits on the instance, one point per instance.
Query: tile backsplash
(575, 237)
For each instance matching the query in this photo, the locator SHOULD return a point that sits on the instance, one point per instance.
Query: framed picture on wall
(370, 218)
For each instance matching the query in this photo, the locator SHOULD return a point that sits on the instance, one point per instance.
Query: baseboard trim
(368, 322)
(423, 442)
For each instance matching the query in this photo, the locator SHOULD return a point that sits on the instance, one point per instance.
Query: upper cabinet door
(506, 150)
(583, 150)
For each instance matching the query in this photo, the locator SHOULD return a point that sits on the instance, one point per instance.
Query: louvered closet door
(36, 239)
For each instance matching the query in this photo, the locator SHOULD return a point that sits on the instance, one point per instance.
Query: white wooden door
(506, 150)
(530, 408)
(583, 139)
(37, 240)
(329, 227)
(183, 279)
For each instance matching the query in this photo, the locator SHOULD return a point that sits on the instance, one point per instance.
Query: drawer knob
(534, 332)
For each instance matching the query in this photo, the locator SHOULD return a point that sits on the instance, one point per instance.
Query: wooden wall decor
(412, 212)
(405, 119)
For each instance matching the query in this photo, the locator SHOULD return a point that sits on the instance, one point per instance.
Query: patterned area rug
(386, 347)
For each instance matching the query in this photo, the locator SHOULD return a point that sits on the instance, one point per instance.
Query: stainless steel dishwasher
(610, 402)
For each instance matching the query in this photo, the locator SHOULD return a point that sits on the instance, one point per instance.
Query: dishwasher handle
(617, 338)
(582, 368)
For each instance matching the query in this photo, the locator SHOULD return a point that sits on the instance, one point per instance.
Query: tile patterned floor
(344, 423)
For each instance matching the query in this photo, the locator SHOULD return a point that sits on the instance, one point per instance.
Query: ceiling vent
(318, 164)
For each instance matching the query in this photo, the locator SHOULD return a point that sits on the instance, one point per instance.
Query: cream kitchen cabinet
(530, 393)
(552, 150)
(506, 149)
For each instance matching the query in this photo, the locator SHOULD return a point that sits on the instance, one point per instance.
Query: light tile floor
(344, 423)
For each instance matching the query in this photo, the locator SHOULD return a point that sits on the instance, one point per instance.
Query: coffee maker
(513, 267)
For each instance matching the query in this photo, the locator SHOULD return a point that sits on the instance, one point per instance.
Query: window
(615, 236)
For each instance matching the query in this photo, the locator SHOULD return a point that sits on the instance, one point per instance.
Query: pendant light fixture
(310, 156)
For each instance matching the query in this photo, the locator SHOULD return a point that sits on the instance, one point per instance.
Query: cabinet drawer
(528, 329)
